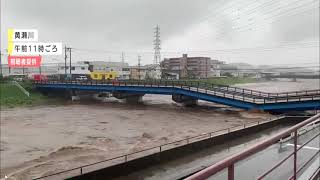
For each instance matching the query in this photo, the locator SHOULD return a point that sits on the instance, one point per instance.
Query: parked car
(39, 77)
(81, 78)
(18, 79)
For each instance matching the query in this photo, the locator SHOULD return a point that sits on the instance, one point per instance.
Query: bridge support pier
(75, 98)
(71, 94)
(133, 99)
(129, 97)
(185, 100)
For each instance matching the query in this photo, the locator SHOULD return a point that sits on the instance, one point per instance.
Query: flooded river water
(41, 140)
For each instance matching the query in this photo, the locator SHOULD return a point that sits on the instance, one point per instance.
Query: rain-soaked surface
(41, 140)
(181, 167)
(247, 169)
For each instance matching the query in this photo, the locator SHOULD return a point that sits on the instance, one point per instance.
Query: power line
(261, 48)
(266, 18)
(280, 14)
(249, 27)
(238, 10)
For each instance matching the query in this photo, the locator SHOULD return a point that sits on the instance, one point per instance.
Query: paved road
(256, 165)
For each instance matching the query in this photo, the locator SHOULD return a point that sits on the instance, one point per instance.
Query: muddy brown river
(41, 140)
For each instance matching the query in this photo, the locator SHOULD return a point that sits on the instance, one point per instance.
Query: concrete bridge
(188, 92)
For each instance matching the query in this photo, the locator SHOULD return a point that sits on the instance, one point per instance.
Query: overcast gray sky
(251, 31)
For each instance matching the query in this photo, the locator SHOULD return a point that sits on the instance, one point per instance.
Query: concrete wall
(180, 152)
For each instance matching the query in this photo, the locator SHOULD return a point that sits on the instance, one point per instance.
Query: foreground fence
(21, 88)
(229, 163)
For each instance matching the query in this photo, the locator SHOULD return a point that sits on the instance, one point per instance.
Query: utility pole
(206, 68)
(1, 47)
(70, 62)
(65, 61)
(9, 68)
(66, 50)
(139, 65)
(157, 43)
(1, 59)
(40, 69)
(0, 62)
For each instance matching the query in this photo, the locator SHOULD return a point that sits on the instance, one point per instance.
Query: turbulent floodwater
(284, 85)
(45, 139)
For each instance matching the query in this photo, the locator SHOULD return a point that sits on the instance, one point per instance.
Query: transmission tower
(122, 58)
(156, 43)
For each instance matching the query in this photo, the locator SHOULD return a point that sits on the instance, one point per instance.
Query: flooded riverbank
(41, 140)
(283, 85)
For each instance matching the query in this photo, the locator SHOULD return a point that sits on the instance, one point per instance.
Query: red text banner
(24, 61)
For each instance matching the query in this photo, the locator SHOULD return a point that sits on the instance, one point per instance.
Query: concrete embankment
(188, 148)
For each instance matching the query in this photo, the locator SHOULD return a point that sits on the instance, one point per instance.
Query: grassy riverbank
(12, 96)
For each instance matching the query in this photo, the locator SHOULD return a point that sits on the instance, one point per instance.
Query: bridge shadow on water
(157, 103)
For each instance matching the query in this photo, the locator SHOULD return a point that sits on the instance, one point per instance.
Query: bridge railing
(151, 150)
(230, 162)
(208, 88)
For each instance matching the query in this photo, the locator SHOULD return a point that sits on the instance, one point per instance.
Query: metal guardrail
(301, 131)
(158, 149)
(241, 94)
(21, 88)
(229, 163)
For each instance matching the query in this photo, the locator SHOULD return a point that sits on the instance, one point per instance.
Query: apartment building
(191, 67)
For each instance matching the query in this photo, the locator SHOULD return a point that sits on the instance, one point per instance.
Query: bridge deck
(232, 96)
